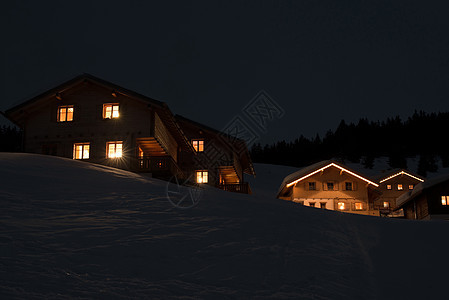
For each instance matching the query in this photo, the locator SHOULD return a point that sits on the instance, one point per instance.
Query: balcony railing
(243, 188)
(161, 164)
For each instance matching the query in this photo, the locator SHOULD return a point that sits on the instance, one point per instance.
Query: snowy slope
(69, 229)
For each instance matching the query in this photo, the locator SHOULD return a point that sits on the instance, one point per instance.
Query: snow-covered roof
(318, 167)
(419, 188)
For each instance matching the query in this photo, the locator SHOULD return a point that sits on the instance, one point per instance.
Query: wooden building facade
(428, 200)
(219, 160)
(96, 121)
(331, 185)
(392, 185)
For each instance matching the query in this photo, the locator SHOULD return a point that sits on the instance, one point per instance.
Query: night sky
(321, 61)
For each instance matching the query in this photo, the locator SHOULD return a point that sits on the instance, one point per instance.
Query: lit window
(114, 149)
(65, 113)
(400, 187)
(444, 200)
(341, 205)
(411, 186)
(201, 176)
(388, 186)
(198, 145)
(81, 151)
(358, 205)
(330, 186)
(110, 111)
(348, 186)
(323, 204)
(386, 204)
(312, 186)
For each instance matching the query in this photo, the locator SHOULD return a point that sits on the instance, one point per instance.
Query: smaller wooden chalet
(428, 200)
(394, 184)
(331, 185)
(90, 119)
(220, 160)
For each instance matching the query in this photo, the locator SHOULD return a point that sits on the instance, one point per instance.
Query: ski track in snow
(74, 230)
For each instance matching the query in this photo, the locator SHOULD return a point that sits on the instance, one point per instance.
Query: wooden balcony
(160, 166)
(243, 188)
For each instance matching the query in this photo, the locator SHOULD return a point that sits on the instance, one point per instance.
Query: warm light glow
(444, 200)
(341, 205)
(332, 165)
(114, 149)
(411, 186)
(401, 173)
(386, 204)
(388, 186)
(81, 151)
(65, 113)
(400, 187)
(358, 205)
(110, 111)
(201, 176)
(198, 145)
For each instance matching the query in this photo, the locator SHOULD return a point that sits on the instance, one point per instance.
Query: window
(358, 206)
(110, 111)
(400, 187)
(385, 204)
(312, 186)
(330, 186)
(388, 186)
(348, 186)
(114, 149)
(411, 186)
(201, 176)
(444, 200)
(312, 204)
(65, 113)
(323, 204)
(341, 205)
(81, 150)
(198, 145)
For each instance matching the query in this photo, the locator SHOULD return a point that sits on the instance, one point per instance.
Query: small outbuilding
(428, 200)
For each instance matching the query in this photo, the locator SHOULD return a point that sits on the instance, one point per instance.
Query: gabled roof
(397, 172)
(311, 170)
(160, 107)
(235, 144)
(420, 188)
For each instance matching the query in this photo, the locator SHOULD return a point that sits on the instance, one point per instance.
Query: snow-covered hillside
(69, 229)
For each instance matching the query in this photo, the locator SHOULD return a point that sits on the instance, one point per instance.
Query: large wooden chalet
(331, 185)
(93, 120)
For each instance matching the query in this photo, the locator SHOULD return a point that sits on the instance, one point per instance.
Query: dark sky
(321, 61)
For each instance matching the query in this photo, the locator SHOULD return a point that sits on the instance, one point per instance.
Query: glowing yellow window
(358, 205)
(65, 113)
(388, 186)
(198, 145)
(114, 149)
(400, 187)
(201, 176)
(444, 200)
(110, 111)
(81, 150)
(341, 205)
(386, 204)
(410, 186)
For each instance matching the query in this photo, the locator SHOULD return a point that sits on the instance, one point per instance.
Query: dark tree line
(10, 139)
(422, 134)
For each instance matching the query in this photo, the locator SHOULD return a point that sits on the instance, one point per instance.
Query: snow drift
(70, 229)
